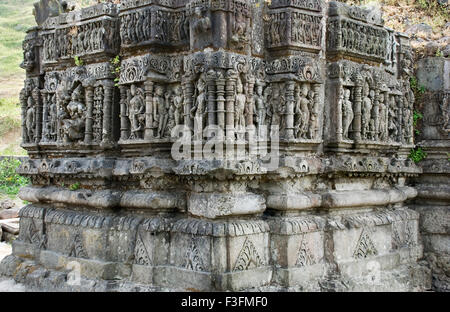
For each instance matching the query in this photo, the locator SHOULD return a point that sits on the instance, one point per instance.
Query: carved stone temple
(300, 180)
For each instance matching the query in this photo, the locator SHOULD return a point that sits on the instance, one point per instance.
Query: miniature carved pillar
(250, 102)
(38, 113)
(124, 128)
(23, 105)
(376, 110)
(220, 85)
(289, 114)
(339, 115)
(357, 109)
(89, 118)
(399, 100)
(107, 118)
(148, 85)
(211, 79)
(231, 97)
(314, 133)
(44, 95)
(188, 92)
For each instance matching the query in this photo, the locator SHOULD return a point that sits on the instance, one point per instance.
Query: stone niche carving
(299, 176)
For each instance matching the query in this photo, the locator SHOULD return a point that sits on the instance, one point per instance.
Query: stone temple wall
(433, 200)
(300, 179)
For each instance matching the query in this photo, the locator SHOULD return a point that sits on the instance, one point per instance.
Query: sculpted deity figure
(275, 104)
(136, 111)
(392, 123)
(240, 30)
(49, 129)
(30, 120)
(347, 114)
(202, 23)
(260, 105)
(73, 127)
(302, 113)
(198, 111)
(140, 27)
(178, 105)
(161, 104)
(239, 108)
(382, 118)
(366, 111)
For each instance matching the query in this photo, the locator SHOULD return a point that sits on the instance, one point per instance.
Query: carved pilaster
(399, 100)
(107, 109)
(23, 105)
(89, 117)
(250, 102)
(357, 108)
(231, 97)
(316, 108)
(188, 92)
(339, 115)
(289, 114)
(211, 79)
(220, 85)
(376, 115)
(124, 121)
(36, 94)
(149, 85)
(45, 133)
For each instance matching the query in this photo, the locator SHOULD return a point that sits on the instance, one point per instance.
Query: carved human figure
(73, 127)
(382, 118)
(198, 111)
(161, 104)
(302, 111)
(240, 30)
(260, 105)
(275, 104)
(392, 122)
(30, 120)
(136, 111)
(140, 27)
(347, 114)
(178, 105)
(366, 112)
(202, 23)
(239, 108)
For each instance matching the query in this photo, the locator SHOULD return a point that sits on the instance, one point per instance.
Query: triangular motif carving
(304, 256)
(248, 257)
(33, 236)
(141, 255)
(77, 250)
(365, 247)
(193, 259)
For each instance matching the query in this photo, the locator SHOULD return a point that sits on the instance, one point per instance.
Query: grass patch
(9, 115)
(10, 181)
(15, 18)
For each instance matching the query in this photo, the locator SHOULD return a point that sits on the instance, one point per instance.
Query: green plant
(417, 116)
(417, 89)
(115, 62)
(75, 186)
(439, 53)
(417, 155)
(78, 61)
(10, 181)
